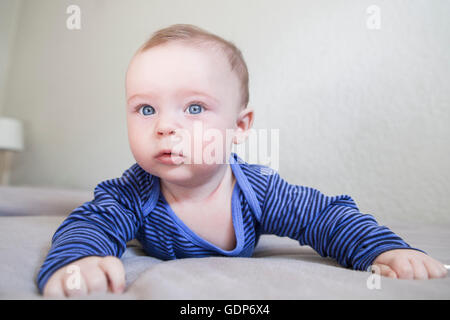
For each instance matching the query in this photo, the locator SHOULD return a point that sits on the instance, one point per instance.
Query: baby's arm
(333, 226)
(98, 228)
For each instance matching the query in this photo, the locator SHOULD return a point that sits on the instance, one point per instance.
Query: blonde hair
(190, 34)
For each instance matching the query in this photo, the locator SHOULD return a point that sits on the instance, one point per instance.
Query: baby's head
(187, 92)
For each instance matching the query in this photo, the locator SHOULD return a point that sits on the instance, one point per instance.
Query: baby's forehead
(180, 53)
(183, 65)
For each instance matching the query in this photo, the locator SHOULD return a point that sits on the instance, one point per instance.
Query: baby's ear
(244, 124)
(245, 119)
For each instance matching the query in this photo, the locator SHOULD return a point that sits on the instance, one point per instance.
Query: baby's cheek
(199, 144)
(216, 146)
(141, 148)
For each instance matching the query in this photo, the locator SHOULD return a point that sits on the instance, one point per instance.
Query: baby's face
(175, 94)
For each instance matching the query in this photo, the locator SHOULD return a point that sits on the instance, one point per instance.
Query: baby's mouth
(170, 158)
(169, 152)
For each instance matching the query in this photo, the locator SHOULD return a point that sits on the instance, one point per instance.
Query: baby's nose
(165, 129)
(163, 132)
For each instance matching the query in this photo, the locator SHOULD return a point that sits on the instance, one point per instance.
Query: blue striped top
(132, 207)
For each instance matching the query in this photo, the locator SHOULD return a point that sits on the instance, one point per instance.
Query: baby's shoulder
(131, 186)
(256, 170)
(259, 170)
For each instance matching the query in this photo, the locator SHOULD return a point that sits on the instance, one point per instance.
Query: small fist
(409, 264)
(85, 276)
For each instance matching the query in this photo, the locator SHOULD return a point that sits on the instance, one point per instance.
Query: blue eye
(146, 110)
(195, 108)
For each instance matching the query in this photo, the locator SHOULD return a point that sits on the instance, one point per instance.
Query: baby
(181, 200)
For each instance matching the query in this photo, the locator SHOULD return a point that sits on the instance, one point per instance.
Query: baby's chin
(183, 174)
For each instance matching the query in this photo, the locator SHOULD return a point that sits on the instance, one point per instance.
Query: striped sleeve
(333, 226)
(100, 227)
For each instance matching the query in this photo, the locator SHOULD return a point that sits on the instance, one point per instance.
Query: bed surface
(279, 269)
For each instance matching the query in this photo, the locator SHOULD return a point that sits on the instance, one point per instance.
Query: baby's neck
(219, 184)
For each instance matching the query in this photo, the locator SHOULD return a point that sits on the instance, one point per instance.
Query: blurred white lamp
(11, 140)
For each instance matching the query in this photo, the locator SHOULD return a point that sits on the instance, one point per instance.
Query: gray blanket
(279, 269)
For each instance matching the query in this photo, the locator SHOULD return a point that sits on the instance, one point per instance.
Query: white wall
(9, 17)
(361, 112)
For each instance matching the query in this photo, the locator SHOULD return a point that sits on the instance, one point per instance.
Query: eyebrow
(181, 92)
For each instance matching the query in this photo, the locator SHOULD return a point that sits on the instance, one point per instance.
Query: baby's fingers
(384, 270)
(73, 283)
(115, 273)
(420, 272)
(403, 268)
(53, 288)
(435, 269)
(96, 280)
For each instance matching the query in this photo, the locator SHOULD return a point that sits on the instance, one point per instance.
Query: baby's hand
(409, 264)
(95, 274)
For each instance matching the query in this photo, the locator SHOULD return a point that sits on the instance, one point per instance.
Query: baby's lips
(169, 151)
